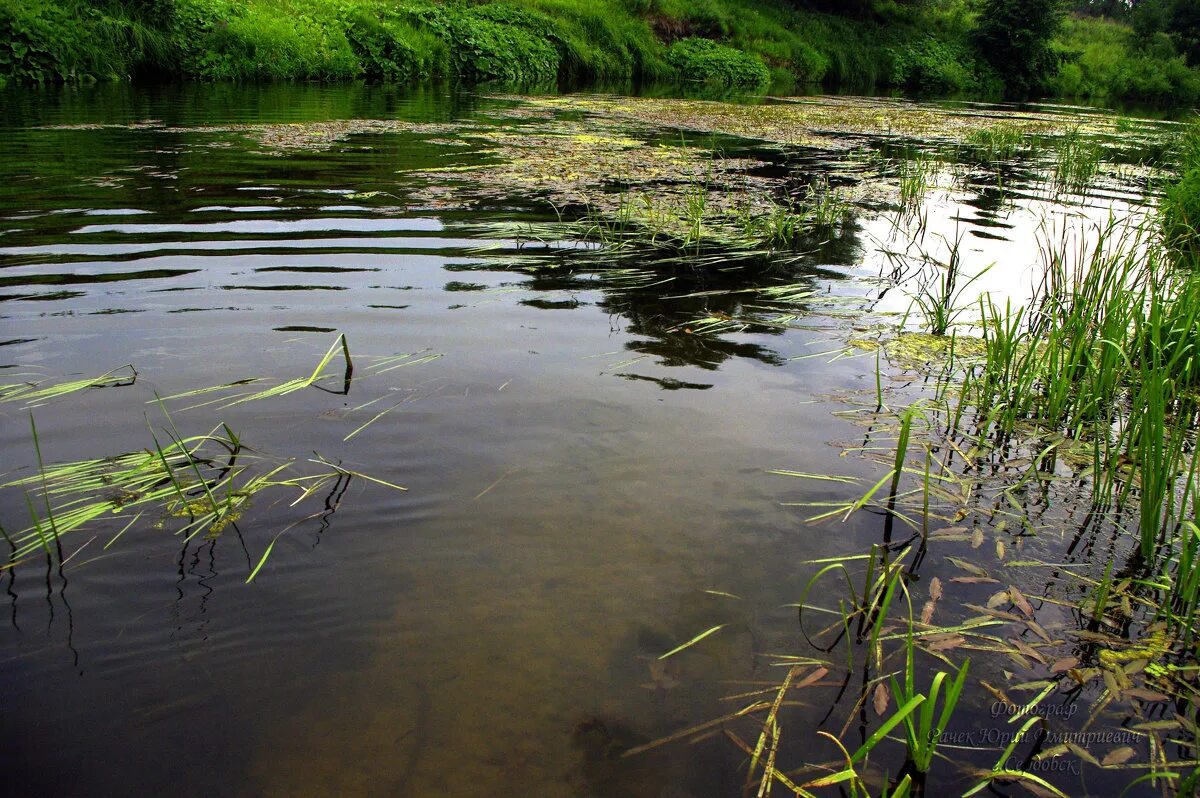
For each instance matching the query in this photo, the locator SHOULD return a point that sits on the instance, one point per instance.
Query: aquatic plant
(794, 224)
(1076, 162)
(996, 143)
(921, 729)
(34, 393)
(1179, 214)
(915, 176)
(939, 294)
(205, 481)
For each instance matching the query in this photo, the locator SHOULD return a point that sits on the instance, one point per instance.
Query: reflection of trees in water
(659, 315)
(661, 299)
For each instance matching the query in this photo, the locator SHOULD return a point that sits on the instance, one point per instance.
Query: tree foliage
(1178, 20)
(1015, 36)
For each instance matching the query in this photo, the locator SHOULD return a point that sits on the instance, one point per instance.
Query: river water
(587, 479)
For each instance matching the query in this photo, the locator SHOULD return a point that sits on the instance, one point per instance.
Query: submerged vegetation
(1071, 416)
(942, 47)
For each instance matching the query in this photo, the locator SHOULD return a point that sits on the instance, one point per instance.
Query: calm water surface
(580, 469)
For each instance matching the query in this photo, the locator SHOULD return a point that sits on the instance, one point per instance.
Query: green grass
(1076, 162)
(742, 43)
(995, 144)
(1104, 61)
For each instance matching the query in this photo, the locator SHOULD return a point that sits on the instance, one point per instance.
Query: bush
(706, 61)
(1015, 37)
(47, 42)
(261, 39)
(390, 48)
(921, 47)
(483, 49)
(35, 45)
(929, 66)
(597, 40)
(1106, 61)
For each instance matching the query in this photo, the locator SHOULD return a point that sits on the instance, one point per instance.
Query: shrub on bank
(921, 48)
(600, 40)
(706, 61)
(391, 48)
(495, 44)
(262, 40)
(929, 66)
(42, 41)
(1103, 60)
(509, 42)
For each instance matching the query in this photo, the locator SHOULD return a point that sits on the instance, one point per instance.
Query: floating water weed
(34, 394)
(209, 480)
(229, 394)
(867, 608)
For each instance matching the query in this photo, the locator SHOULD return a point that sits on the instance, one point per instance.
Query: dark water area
(587, 479)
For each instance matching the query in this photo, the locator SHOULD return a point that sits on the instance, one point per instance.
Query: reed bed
(1073, 414)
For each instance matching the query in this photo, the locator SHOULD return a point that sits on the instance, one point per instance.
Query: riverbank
(758, 45)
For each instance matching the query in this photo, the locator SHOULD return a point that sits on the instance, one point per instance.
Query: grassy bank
(1105, 61)
(755, 44)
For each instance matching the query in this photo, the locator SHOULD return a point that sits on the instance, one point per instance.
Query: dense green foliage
(1106, 60)
(982, 47)
(1132, 49)
(46, 40)
(1179, 210)
(1015, 37)
(1181, 216)
(709, 62)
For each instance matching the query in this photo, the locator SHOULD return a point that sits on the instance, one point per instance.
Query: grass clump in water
(1084, 400)
(1076, 162)
(996, 143)
(208, 479)
(1180, 217)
